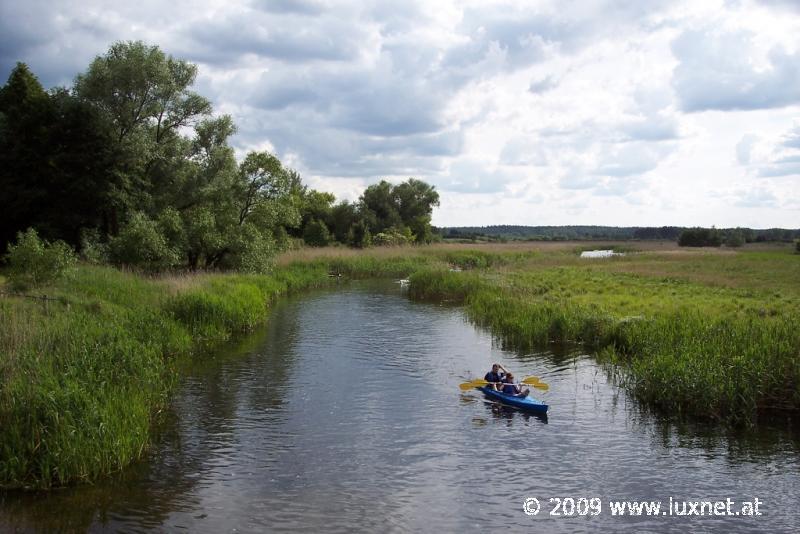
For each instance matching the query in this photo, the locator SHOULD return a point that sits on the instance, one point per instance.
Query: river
(344, 414)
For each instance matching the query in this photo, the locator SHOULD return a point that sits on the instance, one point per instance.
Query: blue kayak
(529, 404)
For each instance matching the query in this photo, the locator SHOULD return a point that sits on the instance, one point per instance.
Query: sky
(606, 112)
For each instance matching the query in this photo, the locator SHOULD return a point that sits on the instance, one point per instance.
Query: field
(708, 332)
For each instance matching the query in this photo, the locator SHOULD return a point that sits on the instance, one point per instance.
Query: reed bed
(726, 348)
(83, 374)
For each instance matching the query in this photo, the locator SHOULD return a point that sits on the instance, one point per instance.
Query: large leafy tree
(145, 96)
(55, 159)
(395, 208)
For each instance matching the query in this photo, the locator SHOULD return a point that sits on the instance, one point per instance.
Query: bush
(316, 234)
(93, 250)
(700, 237)
(393, 237)
(252, 251)
(141, 243)
(34, 262)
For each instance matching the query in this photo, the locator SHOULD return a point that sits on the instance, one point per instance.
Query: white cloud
(554, 112)
(726, 71)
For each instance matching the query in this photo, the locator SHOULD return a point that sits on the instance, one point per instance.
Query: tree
(55, 152)
(261, 179)
(407, 205)
(138, 85)
(734, 238)
(316, 234)
(379, 208)
(343, 216)
(700, 237)
(416, 200)
(34, 262)
(144, 95)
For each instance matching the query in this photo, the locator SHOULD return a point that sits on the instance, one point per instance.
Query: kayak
(529, 404)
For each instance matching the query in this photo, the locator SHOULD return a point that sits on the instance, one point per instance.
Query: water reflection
(344, 414)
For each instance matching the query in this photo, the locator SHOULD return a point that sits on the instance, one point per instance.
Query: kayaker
(510, 388)
(495, 377)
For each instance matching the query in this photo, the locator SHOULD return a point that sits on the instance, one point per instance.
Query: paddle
(529, 381)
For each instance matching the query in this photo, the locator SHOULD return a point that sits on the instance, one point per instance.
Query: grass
(708, 333)
(82, 376)
(711, 333)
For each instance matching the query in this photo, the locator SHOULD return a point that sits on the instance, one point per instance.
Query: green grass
(82, 376)
(710, 334)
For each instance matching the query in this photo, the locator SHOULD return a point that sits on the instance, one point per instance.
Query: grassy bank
(709, 333)
(82, 375)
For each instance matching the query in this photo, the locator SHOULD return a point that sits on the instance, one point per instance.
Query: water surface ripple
(344, 414)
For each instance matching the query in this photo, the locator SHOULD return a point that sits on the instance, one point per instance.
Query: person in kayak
(510, 388)
(495, 376)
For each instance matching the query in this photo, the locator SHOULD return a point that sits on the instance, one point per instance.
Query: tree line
(684, 236)
(131, 166)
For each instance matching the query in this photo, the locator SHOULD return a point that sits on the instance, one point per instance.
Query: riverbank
(707, 333)
(84, 372)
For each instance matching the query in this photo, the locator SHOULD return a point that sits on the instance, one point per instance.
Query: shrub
(735, 238)
(253, 251)
(141, 243)
(34, 262)
(316, 234)
(393, 237)
(93, 250)
(700, 237)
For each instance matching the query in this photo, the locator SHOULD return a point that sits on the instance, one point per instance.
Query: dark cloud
(715, 72)
(26, 34)
(284, 37)
(303, 7)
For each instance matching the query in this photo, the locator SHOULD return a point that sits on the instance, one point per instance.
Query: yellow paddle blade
(534, 381)
(466, 386)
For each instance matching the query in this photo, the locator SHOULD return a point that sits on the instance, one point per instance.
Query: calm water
(345, 414)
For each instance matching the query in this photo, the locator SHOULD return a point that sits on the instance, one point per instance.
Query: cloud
(304, 7)
(576, 179)
(744, 148)
(523, 151)
(285, 36)
(792, 138)
(789, 5)
(469, 175)
(628, 160)
(721, 71)
(650, 128)
(757, 197)
(773, 157)
(576, 100)
(543, 85)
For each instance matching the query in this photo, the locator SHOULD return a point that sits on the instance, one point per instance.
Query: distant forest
(565, 233)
